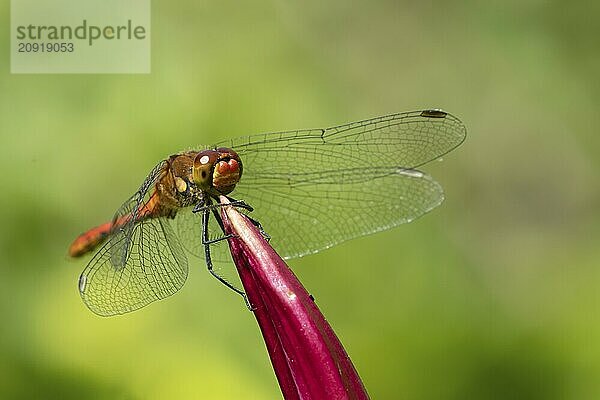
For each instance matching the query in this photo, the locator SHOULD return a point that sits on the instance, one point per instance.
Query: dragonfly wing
(135, 209)
(156, 267)
(304, 215)
(406, 140)
(312, 189)
(189, 231)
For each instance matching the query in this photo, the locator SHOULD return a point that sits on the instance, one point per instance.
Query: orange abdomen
(89, 240)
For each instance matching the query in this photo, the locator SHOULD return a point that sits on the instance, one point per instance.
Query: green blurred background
(494, 295)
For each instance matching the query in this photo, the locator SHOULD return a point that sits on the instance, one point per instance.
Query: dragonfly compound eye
(217, 171)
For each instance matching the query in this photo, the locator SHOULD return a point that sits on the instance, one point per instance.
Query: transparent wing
(315, 188)
(406, 140)
(156, 267)
(136, 208)
(307, 214)
(189, 231)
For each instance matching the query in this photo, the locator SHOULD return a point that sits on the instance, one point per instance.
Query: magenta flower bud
(308, 358)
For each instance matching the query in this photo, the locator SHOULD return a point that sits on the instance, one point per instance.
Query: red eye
(222, 168)
(234, 165)
(217, 171)
(226, 167)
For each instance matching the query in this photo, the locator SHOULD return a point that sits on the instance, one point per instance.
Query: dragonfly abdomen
(89, 240)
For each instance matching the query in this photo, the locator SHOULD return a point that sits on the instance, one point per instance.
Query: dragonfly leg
(260, 228)
(240, 203)
(201, 207)
(206, 242)
(205, 207)
(217, 240)
(244, 205)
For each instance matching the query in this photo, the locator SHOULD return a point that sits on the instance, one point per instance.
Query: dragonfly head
(217, 171)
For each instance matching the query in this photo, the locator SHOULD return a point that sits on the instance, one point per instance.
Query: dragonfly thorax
(217, 171)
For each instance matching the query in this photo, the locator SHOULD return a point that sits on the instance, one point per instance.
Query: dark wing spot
(434, 113)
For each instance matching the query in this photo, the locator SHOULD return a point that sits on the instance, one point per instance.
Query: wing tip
(434, 113)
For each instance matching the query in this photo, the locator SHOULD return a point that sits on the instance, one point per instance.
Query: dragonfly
(307, 190)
